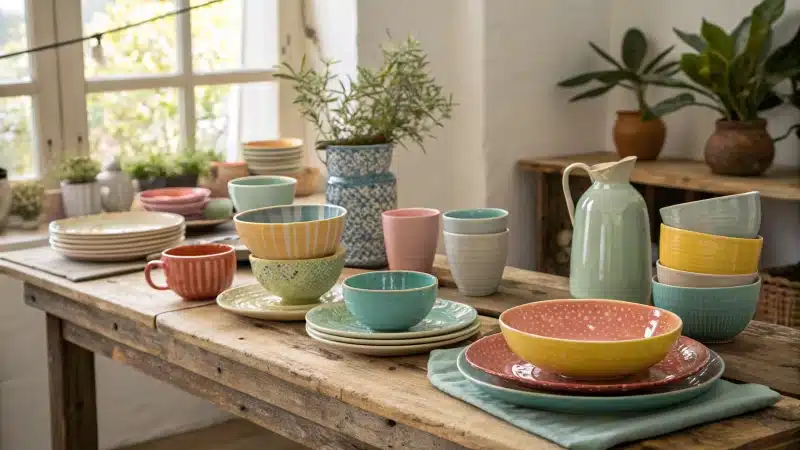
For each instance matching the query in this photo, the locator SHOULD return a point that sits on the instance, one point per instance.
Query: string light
(97, 51)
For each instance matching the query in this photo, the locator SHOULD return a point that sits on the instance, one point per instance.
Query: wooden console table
(274, 375)
(678, 180)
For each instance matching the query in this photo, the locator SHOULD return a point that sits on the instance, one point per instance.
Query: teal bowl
(255, 192)
(710, 315)
(476, 221)
(392, 300)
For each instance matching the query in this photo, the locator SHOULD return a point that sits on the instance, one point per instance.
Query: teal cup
(710, 315)
(476, 221)
(261, 191)
(392, 300)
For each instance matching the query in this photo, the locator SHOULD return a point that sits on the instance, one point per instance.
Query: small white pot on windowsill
(81, 199)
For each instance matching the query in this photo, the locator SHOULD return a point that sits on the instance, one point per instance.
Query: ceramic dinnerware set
(590, 356)
(391, 313)
(295, 254)
(707, 272)
(194, 204)
(275, 157)
(476, 243)
(121, 236)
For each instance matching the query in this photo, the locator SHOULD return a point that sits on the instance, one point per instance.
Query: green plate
(655, 398)
(253, 301)
(445, 317)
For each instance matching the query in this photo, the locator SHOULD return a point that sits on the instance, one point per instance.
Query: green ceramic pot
(261, 191)
(299, 281)
(710, 315)
(392, 300)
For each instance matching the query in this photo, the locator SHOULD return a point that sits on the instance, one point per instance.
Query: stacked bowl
(391, 313)
(590, 356)
(187, 202)
(707, 272)
(476, 243)
(274, 157)
(295, 254)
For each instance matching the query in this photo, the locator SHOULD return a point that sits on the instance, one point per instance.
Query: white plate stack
(123, 236)
(278, 157)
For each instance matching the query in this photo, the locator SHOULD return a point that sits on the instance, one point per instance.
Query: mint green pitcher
(611, 251)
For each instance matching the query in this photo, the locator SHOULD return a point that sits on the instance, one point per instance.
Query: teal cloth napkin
(599, 432)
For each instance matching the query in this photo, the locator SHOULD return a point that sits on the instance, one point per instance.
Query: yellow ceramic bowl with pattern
(691, 251)
(590, 338)
(291, 231)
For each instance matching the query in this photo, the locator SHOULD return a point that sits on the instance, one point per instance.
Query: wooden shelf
(782, 183)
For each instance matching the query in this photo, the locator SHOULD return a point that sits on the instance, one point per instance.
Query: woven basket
(780, 296)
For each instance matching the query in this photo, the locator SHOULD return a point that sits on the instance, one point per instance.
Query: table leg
(73, 406)
(540, 231)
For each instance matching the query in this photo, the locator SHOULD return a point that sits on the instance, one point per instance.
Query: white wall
(131, 406)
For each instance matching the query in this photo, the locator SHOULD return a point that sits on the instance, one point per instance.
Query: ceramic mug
(411, 236)
(195, 272)
(476, 221)
(255, 192)
(477, 261)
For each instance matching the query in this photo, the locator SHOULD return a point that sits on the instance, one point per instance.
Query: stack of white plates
(281, 157)
(120, 236)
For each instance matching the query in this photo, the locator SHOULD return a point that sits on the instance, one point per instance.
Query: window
(198, 80)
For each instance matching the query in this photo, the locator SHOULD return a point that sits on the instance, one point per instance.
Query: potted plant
(635, 133)
(5, 198)
(359, 121)
(150, 170)
(188, 166)
(79, 187)
(26, 203)
(737, 73)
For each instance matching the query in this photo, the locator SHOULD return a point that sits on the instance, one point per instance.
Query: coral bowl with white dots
(590, 338)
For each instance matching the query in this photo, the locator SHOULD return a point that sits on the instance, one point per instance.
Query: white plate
(386, 350)
(117, 245)
(253, 301)
(114, 256)
(206, 223)
(143, 250)
(272, 156)
(131, 223)
(423, 340)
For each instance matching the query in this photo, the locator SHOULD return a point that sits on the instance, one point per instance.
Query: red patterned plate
(492, 355)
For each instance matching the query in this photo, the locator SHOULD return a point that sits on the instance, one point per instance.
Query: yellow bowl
(590, 338)
(691, 251)
(291, 231)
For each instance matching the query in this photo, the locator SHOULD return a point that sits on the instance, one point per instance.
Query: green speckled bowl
(299, 281)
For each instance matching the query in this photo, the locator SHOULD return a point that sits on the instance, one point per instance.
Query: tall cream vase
(81, 199)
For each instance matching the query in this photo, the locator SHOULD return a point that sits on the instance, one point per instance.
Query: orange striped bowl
(291, 231)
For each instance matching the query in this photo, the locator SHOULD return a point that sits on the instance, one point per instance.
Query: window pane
(146, 49)
(133, 122)
(16, 136)
(220, 29)
(13, 38)
(230, 114)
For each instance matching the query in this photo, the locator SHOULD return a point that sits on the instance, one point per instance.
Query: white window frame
(74, 86)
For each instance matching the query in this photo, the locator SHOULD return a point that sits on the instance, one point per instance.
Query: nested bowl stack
(707, 271)
(274, 157)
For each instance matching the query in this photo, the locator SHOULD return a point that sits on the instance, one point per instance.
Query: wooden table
(693, 180)
(274, 375)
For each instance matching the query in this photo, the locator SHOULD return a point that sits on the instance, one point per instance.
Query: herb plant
(80, 169)
(194, 162)
(26, 200)
(147, 166)
(630, 73)
(397, 103)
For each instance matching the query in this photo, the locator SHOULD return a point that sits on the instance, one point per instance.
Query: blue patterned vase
(359, 181)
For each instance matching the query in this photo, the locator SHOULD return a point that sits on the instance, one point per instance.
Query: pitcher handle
(565, 187)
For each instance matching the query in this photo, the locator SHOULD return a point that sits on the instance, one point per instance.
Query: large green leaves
(652, 64)
(717, 39)
(770, 10)
(634, 49)
(591, 93)
(604, 76)
(785, 59)
(605, 55)
(669, 105)
(692, 40)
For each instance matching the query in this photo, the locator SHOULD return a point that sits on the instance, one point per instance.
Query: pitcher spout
(614, 172)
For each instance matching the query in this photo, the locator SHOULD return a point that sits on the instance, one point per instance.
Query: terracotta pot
(741, 148)
(221, 174)
(635, 137)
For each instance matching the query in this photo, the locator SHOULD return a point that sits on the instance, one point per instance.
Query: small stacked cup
(707, 272)
(476, 243)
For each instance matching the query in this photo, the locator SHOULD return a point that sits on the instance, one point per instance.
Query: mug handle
(157, 264)
(565, 187)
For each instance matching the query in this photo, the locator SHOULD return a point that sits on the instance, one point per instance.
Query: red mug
(195, 272)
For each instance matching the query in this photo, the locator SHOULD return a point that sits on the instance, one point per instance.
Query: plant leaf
(585, 78)
(692, 40)
(634, 49)
(786, 57)
(605, 55)
(668, 67)
(770, 10)
(591, 93)
(739, 35)
(770, 100)
(652, 64)
(669, 105)
(717, 39)
(691, 65)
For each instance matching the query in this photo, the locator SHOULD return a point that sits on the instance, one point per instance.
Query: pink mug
(195, 272)
(411, 236)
